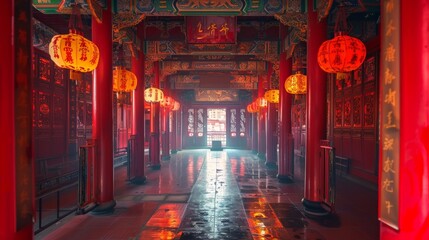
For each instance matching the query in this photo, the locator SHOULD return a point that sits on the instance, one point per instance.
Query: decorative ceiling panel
(239, 81)
(209, 95)
(242, 48)
(169, 7)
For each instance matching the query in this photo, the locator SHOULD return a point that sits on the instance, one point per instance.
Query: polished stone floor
(227, 195)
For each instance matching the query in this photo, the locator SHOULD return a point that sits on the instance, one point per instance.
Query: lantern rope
(341, 26)
(75, 21)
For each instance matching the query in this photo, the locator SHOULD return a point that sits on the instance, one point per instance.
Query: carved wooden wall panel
(355, 117)
(50, 114)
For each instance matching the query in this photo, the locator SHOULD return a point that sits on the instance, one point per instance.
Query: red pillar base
(154, 155)
(270, 164)
(104, 208)
(165, 157)
(138, 180)
(156, 167)
(285, 178)
(316, 209)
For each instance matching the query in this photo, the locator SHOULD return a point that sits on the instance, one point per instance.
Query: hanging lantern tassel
(75, 75)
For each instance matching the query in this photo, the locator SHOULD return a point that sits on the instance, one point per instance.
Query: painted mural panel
(203, 95)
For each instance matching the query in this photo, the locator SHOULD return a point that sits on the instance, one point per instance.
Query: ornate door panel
(50, 118)
(49, 108)
(355, 118)
(194, 127)
(236, 131)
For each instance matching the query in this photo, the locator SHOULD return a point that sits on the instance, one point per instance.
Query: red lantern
(296, 84)
(261, 102)
(123, 80)
(341, 54)
(73, 51)
(167, 102)
(272, 96)
(250, 108)
(153, 95)
(176, 106)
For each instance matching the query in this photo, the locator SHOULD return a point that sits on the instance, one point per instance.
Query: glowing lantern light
(272, 96)
(123, 80)
(251, 108)
(167, 102)
(341, 54)
(254, 106)
(73, 51)
(176, 106)
(261, 102)
(153, 95)
(296, 84)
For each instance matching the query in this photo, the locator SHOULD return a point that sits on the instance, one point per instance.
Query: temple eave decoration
(169, 8)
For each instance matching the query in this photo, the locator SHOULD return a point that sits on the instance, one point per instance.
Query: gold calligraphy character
(389, 6)
(390, 97)
(23, 16)
(388, 185)
(390, 123)
(224, 28)
(22, 36)
(390, 53)
(212, 29)
(388, 165)
(199, 27)
(388, 76)
(22, 57)
(390, 28)
(388, 143)
(389, 205)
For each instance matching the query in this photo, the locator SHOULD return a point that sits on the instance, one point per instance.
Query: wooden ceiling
(211, 66)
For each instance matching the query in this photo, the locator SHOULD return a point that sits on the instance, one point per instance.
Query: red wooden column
(285, 173)
(255, 133)
(262, 115)
(154, 143)
(165, 129)
(173, 131)
(16, 172)
(102, 115)
(271, 128)
(179, 115)
(413, 163)
(316, 116)
(137, 67)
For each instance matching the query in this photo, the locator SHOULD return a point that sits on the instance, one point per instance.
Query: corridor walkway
(228, 195)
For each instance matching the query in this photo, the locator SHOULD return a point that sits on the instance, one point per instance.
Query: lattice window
(191, 122)
(200, 123)
(233, 122)
(242, 122)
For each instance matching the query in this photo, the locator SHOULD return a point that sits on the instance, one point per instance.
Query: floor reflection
(225, 195)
